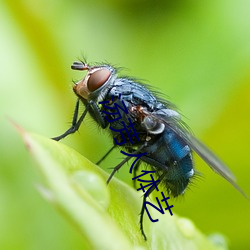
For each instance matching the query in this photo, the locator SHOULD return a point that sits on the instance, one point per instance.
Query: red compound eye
(97, 79)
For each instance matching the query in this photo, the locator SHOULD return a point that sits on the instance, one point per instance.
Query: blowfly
(164, 140)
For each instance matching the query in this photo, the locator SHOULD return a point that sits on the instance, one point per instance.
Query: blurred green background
(197, 53)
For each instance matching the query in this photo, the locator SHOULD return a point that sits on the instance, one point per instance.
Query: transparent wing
(175, 124)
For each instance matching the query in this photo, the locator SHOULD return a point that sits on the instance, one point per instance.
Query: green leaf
(106, 215)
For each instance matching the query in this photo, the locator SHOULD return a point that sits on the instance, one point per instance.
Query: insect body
(160, 133)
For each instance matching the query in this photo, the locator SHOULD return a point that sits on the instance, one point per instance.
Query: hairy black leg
(153, 162)
(105, 155)
(117, 168)
(75, 124)
(123, 162)
(96, 112)
(143, 208)
(136, 167)
(141, 218)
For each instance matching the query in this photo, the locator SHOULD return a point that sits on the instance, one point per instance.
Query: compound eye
(97, 79)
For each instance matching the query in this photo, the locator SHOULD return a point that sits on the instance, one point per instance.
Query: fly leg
(90, 107)
(141, 218)
(105, 155)
(75, 124)
(156, 164)
(95, 111)
(143, 208)
(116, 168)
(123, 162)
(136, 167)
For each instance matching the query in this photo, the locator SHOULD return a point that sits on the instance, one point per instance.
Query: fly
(165, 141)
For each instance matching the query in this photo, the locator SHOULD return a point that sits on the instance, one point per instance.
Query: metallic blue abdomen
(175, 161)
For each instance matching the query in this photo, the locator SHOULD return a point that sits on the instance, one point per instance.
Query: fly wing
(175, 124)
(208, 156)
